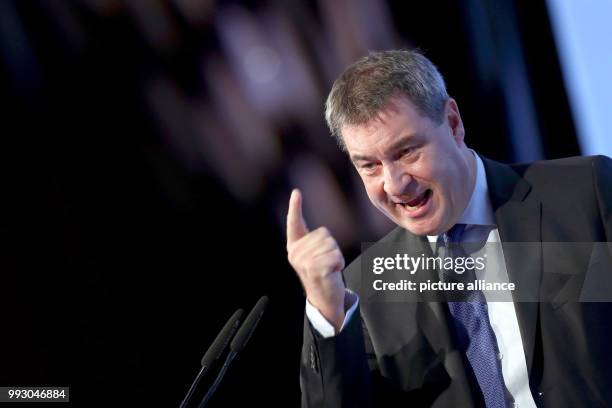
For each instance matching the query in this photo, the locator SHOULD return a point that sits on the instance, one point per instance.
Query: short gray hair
(366, 86)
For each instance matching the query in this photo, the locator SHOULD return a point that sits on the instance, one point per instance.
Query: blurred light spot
(582, 30)
(262, 64)
(324, 203)
(224, 157)
(197, 12)
(156, 22)
(254, 135)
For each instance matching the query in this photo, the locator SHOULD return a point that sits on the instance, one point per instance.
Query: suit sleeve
(334, 371)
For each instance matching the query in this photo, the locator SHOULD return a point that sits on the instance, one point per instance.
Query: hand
(318, 261)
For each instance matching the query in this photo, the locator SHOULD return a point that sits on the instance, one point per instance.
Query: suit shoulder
(602, 164)
(569, 163)
(566, 172)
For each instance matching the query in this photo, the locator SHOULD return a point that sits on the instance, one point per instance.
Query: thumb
(296, 226)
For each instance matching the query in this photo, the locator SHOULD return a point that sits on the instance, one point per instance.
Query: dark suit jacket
(402, 354)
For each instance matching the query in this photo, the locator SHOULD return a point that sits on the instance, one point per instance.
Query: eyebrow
(401, 142)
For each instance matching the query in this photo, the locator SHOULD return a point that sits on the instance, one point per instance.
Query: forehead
(399, 119)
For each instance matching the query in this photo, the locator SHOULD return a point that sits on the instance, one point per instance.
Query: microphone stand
(193, 387)
(214, 352)
(237, 345)
(228, 361)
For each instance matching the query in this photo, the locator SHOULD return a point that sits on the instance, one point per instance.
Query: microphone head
(218, 346)
(250, 323)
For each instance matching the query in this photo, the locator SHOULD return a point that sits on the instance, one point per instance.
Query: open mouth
(419, 201)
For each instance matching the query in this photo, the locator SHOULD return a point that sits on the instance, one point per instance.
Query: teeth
(419, 201)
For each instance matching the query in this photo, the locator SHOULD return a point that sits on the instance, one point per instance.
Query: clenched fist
(318, 261)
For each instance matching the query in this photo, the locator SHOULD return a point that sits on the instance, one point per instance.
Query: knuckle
(323, 231)
(316, 269)
(331, 242)
(308, 274)
(337, 253)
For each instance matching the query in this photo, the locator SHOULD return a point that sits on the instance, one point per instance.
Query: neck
(471, 166)
(470, 158)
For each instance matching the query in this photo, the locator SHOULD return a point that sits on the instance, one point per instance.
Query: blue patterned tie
(473, 329)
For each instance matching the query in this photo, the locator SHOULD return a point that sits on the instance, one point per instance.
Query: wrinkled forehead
(392, 105)
(397, 118)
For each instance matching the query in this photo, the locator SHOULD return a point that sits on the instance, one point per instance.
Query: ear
(453, 118)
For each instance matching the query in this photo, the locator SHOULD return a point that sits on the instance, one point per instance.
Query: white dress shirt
(502, 315)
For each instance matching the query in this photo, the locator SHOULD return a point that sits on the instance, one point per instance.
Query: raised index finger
(296, 226)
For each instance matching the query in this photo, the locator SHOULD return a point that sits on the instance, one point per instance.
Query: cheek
(438, 173)
(435, 174)
(428, 165)
(375, 191)
(374, 195)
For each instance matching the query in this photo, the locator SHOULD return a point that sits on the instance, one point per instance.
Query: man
(391, 113)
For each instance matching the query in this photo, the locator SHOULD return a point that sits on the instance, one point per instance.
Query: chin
(428, 227)
(420, 231)
(421, 228)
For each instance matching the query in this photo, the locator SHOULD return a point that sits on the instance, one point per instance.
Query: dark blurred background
(148, 151)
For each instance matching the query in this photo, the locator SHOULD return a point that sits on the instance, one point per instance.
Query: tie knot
(453, 235)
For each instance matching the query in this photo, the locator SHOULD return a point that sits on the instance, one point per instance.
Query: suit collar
(504, 183)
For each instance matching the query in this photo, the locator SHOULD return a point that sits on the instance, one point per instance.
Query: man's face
(418, 173)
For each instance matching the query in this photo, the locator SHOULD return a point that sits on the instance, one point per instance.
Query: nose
(395, 179)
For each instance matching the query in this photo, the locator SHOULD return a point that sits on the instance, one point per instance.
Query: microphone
(214, 351)
(248, 328)
(238, 344)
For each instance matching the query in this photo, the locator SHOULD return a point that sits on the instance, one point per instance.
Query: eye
(408, 153)
(369, 167)
(406, 150)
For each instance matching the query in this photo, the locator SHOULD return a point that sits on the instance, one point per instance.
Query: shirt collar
(479, 210)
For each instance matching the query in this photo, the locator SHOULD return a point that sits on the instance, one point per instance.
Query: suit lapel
(431, 316)
(518, 217)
